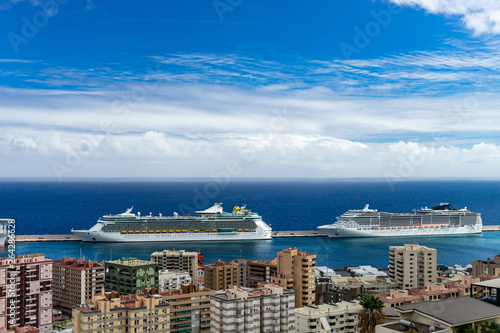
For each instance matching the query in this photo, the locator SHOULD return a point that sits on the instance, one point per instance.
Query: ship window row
(180, 225)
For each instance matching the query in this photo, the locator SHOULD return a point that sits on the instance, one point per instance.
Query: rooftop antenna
(80, 253)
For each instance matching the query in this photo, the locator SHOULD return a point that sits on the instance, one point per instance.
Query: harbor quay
(274, 234)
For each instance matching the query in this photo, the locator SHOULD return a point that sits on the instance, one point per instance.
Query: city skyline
(400, 88)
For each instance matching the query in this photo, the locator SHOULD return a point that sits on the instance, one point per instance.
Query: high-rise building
(178, 261)
(412, 265)
(129, 275)
(221, 275)
(296, 271)
(339, 317)
(266, 309)
(260, 271)
(74, 280)
(26, 300)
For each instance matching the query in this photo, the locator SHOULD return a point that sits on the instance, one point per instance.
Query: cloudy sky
(240, 88)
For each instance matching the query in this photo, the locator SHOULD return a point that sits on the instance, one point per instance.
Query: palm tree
(371, 315)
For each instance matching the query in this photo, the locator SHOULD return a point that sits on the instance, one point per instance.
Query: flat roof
(494, 283)
(455, 311)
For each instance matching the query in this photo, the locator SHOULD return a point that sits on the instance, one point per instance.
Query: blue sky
(395, 89)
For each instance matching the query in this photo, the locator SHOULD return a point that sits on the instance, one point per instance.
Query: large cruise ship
(443, 219)
(212, 224)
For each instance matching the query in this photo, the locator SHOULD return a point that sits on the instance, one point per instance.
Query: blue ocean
(51, 207)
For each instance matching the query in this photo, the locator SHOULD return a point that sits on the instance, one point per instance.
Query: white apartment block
(340, 317)
(245, 310)
(172, 280)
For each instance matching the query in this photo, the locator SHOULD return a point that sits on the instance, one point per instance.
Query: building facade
(74, 281)
(482, 267)
(260, 271)
(172, 280)
(221, 275)
(295, 270)
(130, 275)
(189, 309)
(266, 309)
(26, 298)
(134, 313)
(339, 317)
(178, 261)
(412, 265)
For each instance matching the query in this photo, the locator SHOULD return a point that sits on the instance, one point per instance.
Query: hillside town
(176, 291)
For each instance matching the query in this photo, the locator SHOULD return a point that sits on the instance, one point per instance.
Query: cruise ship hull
(94, 236)
(431, 231)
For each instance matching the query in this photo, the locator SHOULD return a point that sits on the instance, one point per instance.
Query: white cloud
(480, 16)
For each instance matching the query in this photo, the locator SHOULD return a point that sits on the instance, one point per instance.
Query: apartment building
(488, 266)
(189, 309)
(260, 271)
(26, 300)
(178, 261)
(295, 270)
(133, 313)
(339, 317)
(74, 281)
(179, 311)
(239, 309)
(172, 280)
(221, 275)
(129, 275)
(412, 265)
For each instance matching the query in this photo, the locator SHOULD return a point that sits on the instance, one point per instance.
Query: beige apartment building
(178, 261)
(221, 275)
(483, 267)
(266, 309)
(74, 281)
(173, 311)
(295, 270)
(412, 265)
(340, 317)
(115, 314)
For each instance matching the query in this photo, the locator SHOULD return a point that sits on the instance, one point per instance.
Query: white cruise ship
(443, 219)
(212, 224)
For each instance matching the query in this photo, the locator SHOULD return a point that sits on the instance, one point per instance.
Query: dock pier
(274, 234)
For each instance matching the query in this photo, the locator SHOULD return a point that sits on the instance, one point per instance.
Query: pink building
(25, 292)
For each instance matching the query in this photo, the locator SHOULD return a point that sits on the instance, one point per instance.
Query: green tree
(490, 327)
(371, 315)
(467, 329)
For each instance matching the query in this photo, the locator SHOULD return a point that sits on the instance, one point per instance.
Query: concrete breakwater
(275, 234)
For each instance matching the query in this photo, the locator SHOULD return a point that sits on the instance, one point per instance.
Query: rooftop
(454, 311)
